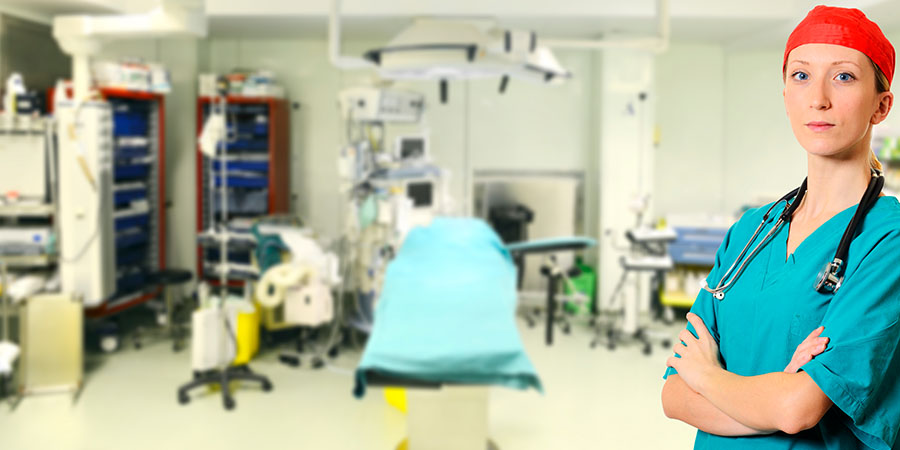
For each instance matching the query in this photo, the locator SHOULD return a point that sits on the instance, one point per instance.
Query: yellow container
(247, 335)
(396, 397)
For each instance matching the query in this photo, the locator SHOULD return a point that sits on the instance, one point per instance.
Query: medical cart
(138, 192)
(694, 254)
(257, 171)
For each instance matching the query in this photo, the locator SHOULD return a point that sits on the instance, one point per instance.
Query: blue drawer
(130, 124)
(236, 256)
(250, 166)
(137, 220)
(244, 182)
(131, 240)
(248, 108)
(249, 145)
(245, 201)
(131, 171)
(123, 152)
(250, 128)
(698, 235)
(122, 198)
(693, 254)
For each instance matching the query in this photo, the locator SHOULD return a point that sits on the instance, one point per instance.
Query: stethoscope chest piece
(828, 281)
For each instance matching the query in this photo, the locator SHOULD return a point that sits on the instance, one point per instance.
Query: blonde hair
(881, 85)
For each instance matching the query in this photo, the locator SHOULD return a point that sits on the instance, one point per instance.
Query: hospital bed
(445, 328)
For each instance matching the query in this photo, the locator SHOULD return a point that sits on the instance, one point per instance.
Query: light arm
(683, 403)
(790, 402)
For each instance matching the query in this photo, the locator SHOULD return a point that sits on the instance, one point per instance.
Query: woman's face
(831, 100)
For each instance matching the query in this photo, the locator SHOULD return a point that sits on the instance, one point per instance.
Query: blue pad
(447, 312)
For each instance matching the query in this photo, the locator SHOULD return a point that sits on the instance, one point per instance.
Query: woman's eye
(799, 76)
(844, 76)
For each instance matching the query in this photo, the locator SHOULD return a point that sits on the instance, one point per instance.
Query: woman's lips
(820, 126)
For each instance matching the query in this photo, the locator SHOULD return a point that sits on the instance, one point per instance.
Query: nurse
(776, 363)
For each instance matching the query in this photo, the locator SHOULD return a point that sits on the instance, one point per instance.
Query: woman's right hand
(810, 347)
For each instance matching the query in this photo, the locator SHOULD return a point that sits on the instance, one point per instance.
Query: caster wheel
(648, 350)
(333, 353)
(611, 346)
(530, 324)
(567, 330)
(666, 343)
(267, 386)
(183, 399)
(293, 361)
(109, 344)
(229, 403)
(317, 363)
(137, 345)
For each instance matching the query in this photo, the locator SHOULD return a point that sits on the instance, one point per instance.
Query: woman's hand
(699, 356)
(812, 346)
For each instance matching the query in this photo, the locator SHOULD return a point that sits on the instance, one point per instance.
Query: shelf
(28, 261)
(26, 210)
(676, 299)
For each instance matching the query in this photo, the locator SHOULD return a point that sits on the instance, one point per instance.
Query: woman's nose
(819, 97)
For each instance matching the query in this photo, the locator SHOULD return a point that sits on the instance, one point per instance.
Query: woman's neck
(834, 185)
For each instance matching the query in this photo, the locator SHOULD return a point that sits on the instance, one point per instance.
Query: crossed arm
(708, 397)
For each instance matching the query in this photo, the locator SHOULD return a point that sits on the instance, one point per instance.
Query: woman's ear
(885, 102)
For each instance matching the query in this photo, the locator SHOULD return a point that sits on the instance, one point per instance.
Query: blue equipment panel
(696, 245)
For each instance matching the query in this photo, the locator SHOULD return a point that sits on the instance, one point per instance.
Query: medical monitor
(411, 148)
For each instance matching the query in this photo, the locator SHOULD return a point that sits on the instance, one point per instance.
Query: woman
(743, 374)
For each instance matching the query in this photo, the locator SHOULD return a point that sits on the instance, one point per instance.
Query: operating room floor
(595, 399)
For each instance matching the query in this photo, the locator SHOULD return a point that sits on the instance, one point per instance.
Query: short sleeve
(860, 367)
(705, 305)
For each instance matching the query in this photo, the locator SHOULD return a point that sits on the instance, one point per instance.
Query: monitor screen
(420, 193)
(412, 148)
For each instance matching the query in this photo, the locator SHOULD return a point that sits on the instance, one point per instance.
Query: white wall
(533, 125)
(725, 139)
(690, 157)
(762, 158)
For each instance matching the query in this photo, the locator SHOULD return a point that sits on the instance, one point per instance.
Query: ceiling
(761, 23)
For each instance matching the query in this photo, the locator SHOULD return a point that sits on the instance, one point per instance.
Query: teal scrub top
(773, 306)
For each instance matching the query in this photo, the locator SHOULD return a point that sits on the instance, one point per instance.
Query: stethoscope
(831, 276)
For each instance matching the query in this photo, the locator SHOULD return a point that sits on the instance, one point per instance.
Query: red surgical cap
(847, 27)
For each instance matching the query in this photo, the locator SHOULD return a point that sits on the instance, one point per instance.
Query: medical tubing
(338, 310)
(719, 286)
(752, 238)
(750, 257)
(868, 200)
(799, 193)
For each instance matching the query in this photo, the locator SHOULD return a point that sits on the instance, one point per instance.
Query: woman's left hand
(699, 356)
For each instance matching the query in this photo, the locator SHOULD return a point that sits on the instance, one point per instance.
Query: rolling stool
(168, 279)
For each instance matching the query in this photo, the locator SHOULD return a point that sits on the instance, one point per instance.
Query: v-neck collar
(828, 227)
(779, 260)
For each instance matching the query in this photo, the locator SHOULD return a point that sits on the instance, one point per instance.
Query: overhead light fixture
(443, 49)
(431, 49)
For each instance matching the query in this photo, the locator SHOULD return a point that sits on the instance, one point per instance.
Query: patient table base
(449, 418)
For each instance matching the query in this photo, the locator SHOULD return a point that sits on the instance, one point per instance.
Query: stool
(168, 279)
